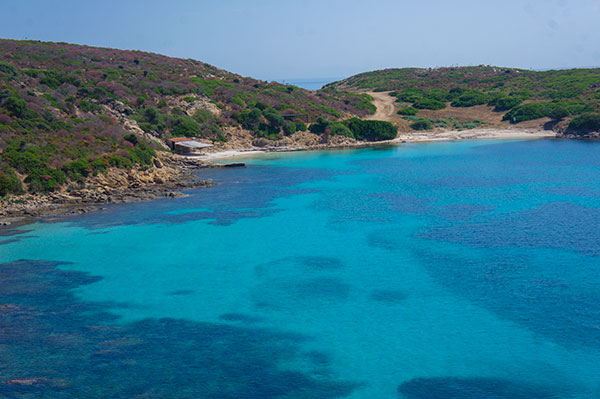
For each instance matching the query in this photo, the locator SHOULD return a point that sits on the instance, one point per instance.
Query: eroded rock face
(191, 107)
(119, 107)
(169, 174)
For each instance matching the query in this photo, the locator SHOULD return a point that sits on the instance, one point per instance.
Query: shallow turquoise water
(446, 270)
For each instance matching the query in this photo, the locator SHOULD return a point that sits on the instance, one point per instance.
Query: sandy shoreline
(403, 138)
(476, 134)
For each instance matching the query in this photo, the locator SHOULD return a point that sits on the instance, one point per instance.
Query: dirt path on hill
(386, 109)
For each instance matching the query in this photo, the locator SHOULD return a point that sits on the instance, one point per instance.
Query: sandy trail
(386, 109)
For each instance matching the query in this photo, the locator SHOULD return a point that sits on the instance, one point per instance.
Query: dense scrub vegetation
(521, 94)
(589, 122)
(356, 128)
(66, 110)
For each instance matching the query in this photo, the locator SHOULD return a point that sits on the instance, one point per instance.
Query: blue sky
(275, 39)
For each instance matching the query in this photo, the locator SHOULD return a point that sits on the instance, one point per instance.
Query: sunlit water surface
(446, 270)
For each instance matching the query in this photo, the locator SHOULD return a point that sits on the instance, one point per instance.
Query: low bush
(9, 184)
(132, 138)
(408, 111)
(372, 130)
(87, 106)
(356, 128)
(585, 123)
(365, 103)
(16, 106)
(504, 103)
(423, 124)
(300, 126)
(340, 129)
(410, 95)
(428, 103)
(184, 125)
(527, 112)
(557, 113)
(469, 99)
(78, 170)
(45, 179)
(437, 94)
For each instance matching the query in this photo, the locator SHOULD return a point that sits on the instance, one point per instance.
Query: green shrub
(151, 119)
(208, 86)
(184, 125)
(436, 94)
(45, 179)
(504, 103)
(300, 126)
(238, 100)
(23, 157)
(469, 99)
(424, 124)
(558, 112)
(585, 123)
(372, 130)
(249, 119)
(365, 103)
(428, 103)
(455, 92)
(410, 95)
(100, 165)
(408, 111)
(120, 162)
(330, 111)
(289, 128)
(142, 155)
(8, 69)
(319, 126)
(527, 112)
(132, 138)
(78, 170)
(203, 116)
(275, 120)
(16, 106)
(87, 106)
(340, 129)
(9, 184)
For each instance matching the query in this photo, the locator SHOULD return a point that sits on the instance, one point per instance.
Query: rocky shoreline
(168, 176)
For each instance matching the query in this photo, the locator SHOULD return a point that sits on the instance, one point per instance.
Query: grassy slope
(64, 109)
(565, 94)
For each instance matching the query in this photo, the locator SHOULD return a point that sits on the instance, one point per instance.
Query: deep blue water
(448, 270)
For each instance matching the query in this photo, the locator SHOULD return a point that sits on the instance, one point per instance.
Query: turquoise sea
(423, 271)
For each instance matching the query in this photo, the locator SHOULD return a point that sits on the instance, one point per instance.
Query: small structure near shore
(290, 114)
(187, 146)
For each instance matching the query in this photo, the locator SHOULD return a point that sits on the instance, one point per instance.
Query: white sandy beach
(403, 137)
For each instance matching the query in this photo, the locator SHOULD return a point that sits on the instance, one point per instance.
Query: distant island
(87, 125)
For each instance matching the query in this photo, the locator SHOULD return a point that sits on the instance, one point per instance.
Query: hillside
(567, 101)
(71, 112)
